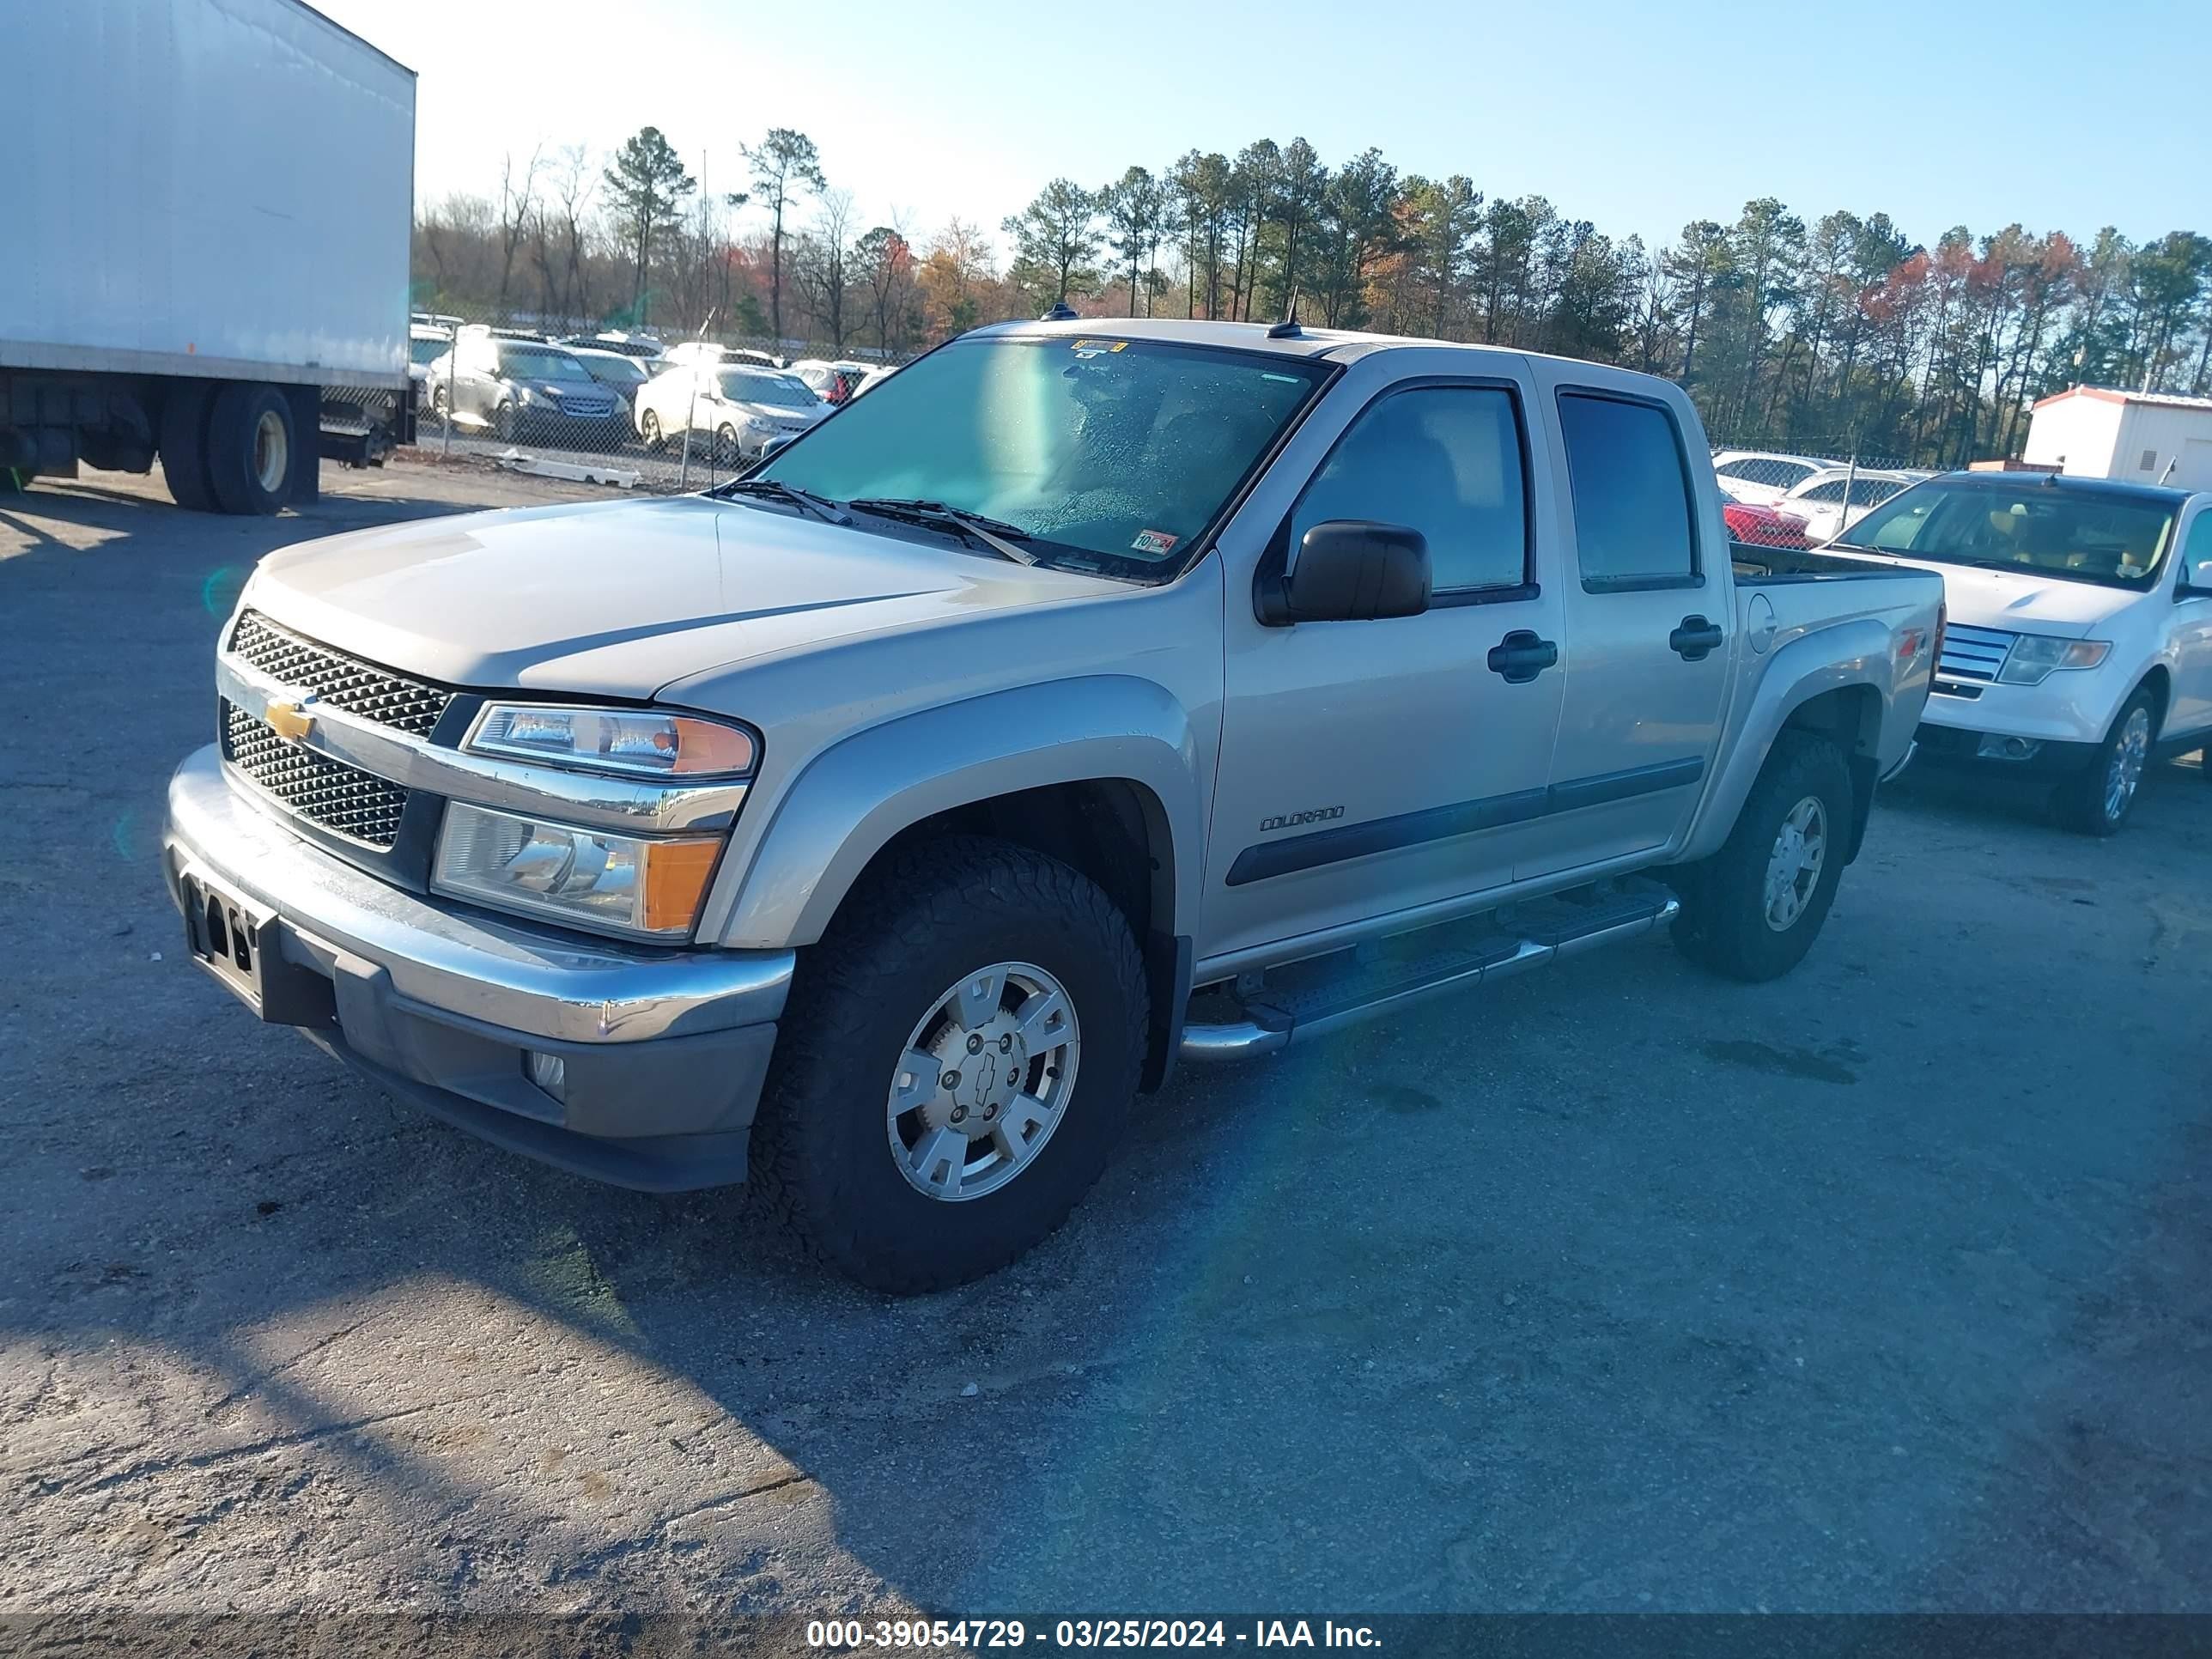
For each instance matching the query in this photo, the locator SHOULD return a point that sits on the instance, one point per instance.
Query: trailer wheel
(250, 440)
(183, 444)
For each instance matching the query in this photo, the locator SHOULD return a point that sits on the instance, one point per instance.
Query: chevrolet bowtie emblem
(289, 720)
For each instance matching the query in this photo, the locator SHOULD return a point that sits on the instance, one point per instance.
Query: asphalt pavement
(1885, 1287)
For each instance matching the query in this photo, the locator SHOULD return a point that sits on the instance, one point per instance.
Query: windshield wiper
(993, 533)
(775, 489)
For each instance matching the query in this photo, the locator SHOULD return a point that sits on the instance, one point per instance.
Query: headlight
(2035, 656)
(635, 743)
(586, 878)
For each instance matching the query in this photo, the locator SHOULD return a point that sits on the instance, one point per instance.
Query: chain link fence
(631, 410)
(1793, 494)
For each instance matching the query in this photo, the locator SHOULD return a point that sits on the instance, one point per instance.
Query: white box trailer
(2144, 437)
(204, 225)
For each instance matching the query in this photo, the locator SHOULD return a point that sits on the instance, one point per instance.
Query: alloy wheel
(1793, 868)
(983, 1082)
(2125, 770)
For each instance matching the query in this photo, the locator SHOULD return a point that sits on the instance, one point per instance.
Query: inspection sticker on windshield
(1154, 541)
(1099, 347)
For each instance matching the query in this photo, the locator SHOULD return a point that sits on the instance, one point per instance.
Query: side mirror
(2194, 582)
(1350, 570)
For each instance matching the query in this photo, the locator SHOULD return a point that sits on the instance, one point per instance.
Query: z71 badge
(1293, 820)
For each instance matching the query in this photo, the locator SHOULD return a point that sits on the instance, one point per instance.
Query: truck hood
(621, 598)
(2027, 602)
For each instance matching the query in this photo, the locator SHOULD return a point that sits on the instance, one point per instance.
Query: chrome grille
(1973, 654)
(322, 791)
(359, 688)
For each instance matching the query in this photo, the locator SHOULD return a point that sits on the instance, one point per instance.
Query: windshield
(2080, 535)
(540, 363)
(749, 385)
(1109, 452)
(623, 370)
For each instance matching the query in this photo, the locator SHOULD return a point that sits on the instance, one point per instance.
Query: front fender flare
(781, 885)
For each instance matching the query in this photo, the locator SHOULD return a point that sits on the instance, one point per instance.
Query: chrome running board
(1308, 1000)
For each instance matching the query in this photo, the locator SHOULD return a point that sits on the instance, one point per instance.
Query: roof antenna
(1058, 312)
(1288, 328)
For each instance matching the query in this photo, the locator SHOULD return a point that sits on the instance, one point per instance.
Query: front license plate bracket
(241, 944)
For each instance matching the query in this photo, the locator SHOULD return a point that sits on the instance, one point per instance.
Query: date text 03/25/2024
(924, 1635)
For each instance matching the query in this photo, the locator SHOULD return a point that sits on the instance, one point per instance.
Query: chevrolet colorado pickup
(879, 825)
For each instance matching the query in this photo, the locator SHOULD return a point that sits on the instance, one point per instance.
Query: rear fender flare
(1853, 653)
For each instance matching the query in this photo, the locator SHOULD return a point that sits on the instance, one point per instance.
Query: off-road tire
(2078, 802)
(916, 924)
(1723, 926)
(183, 444)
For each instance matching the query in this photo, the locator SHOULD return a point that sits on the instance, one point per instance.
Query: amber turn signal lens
(709, 746)
(675, 876)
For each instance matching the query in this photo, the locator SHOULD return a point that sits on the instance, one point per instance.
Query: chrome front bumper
(664, 1052)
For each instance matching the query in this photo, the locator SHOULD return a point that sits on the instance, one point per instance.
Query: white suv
(2079, 640)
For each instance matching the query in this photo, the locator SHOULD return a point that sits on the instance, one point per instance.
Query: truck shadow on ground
(1566, 1295)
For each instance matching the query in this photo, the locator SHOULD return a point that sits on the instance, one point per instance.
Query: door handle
(1521, 656)
(1696, 639)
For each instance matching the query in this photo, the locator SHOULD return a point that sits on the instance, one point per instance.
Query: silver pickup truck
(1083, 698)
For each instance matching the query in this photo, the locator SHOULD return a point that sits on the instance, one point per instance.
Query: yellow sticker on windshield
(1099, 347)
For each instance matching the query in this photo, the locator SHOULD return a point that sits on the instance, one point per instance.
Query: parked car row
(1776, 500)
(608, 390)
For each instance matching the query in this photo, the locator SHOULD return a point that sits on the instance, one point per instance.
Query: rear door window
(1635, 523)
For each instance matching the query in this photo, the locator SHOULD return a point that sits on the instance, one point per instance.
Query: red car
(1762, 527)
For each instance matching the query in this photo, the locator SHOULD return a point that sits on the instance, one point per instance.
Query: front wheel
(502, 423)
(1752, 909)
(2096, 801)
(727, 451)
(648, 430)
(956, 1063)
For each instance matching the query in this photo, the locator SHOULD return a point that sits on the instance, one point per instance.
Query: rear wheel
(249, 447)
(1752, 909)
(183, 444)
(956, 1063)
(2097, 799)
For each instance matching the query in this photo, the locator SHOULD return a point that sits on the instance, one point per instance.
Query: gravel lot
(1884, 1286)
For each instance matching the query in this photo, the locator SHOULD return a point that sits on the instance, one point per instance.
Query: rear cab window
(1628, 477)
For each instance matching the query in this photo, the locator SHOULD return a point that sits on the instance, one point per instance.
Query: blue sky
(1637, 117)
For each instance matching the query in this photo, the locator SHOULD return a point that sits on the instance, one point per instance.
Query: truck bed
(1764, 567)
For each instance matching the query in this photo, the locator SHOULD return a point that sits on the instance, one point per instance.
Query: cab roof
(1337, 343)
